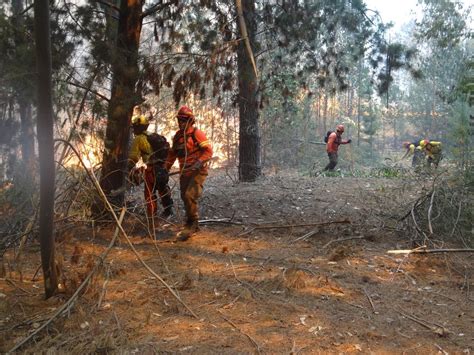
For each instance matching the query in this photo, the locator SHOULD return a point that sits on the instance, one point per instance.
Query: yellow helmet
(139, 120)
(424, 142)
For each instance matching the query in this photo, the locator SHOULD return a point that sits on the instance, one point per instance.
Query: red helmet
(340, 128)
(185, 112)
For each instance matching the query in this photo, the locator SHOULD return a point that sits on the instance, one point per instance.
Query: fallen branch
(417, 228)
(307, 235)
(293, 226)
(441, 349)
(219, 221)
(436, 328)
(432, 292)
(429, 251)
(27, 231)
(417, 203)
(430, 209)
(457, 220)
(241, 281)
(370, 301)
(240, 330)
(104, 286)
(341, 240)
(101, 192)
(356, 305)
(65, 307)
(303, 225)
(17, 287)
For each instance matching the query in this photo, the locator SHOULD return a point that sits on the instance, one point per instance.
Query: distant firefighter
(333, 140)
(433, 151)
(414, 149)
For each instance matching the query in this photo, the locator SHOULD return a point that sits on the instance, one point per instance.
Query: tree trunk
(359, 99)
(350, 97)
(318, 116)
(325, 112)
(45, 145)
(395, 137)
(227, 137)
(123, 97)
(27, 136)
(249, 136)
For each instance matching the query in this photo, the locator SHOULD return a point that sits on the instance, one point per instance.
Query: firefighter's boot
(190, 229)
(167, 212)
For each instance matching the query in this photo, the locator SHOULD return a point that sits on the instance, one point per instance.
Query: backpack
(159, 146)
(326, 137)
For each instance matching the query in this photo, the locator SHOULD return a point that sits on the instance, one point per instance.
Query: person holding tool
(333, 140)
(193, 150)
(414, 149)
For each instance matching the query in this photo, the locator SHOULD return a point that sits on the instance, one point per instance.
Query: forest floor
(271, 281)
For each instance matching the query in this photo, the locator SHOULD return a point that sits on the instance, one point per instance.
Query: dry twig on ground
(286, 226)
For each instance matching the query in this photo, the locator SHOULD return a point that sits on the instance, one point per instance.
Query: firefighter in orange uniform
(332, 146)
(193, 150)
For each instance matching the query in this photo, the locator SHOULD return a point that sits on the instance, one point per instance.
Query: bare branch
(245, 36)
(28, 8)
(106, 3)
(155, 8)
(86, 88)
(68, 305)
(430, 209)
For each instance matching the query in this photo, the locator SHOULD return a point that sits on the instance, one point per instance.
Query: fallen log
(429, 251)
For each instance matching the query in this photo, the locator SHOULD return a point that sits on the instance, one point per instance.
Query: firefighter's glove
(197, 165)
(349, 141)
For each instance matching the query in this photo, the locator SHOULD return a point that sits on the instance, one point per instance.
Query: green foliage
(388, 172)
(327, 44)
(18, 74)
(444, 23)
(397, 56)
(18, 57)
(308, 53)
(460, 137)
(364, 156)
(444, 61)
(371, 122)
(313, 41)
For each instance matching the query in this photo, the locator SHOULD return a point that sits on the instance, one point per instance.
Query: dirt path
(300, 289)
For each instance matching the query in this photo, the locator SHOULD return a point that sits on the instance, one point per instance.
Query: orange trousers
(160, 184)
